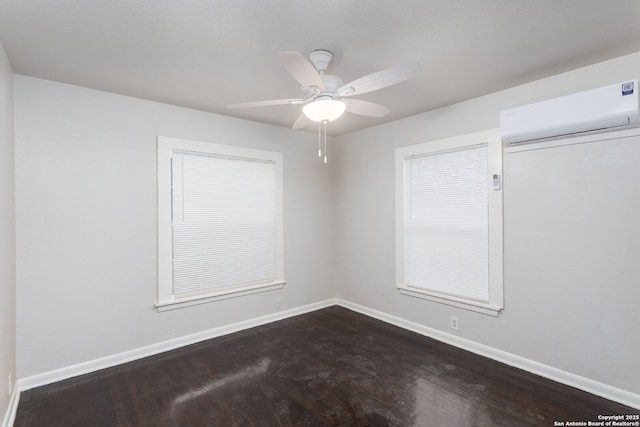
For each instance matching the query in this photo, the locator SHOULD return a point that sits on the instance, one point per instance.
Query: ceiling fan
(326, 97)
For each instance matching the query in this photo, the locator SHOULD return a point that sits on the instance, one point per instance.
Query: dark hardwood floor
(332, 367)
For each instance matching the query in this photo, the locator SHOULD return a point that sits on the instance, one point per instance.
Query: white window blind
(449, 221)
(220, 222)
(224, 222)
(446, 225)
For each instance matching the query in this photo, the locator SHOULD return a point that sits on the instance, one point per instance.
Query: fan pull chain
(324, 122)
(319, 139)
(322, 136)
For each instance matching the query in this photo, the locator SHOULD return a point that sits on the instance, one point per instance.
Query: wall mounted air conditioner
(607, 108)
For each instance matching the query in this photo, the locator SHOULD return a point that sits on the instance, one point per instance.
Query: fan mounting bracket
(321, 59)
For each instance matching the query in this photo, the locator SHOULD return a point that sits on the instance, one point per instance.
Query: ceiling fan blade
(267, 103)
(365, 108)
(300, 122)
(380, 80)
(301, 69)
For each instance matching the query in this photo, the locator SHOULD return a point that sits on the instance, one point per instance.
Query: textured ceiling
(207, 54)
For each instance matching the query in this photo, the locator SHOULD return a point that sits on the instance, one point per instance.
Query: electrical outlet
(279, 303)
(455, 325)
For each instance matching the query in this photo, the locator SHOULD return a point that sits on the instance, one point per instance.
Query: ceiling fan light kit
(322, 92)
(324, 109)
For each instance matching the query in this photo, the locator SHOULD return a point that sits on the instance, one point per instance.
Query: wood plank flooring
(331, 367)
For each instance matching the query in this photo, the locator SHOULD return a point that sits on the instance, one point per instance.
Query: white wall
(572, 235)
(7, 233)
(86, 223)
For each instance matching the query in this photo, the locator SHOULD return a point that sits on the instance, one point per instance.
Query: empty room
(297, 213)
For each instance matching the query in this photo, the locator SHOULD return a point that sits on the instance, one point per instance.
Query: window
(219, 222)
(449, 221)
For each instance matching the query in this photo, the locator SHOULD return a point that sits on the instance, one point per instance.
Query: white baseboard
(558, 375)
(10, 415)
(161, 347)
(594, 387)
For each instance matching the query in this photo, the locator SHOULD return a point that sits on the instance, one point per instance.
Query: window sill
(219, 295)
(480, 307)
